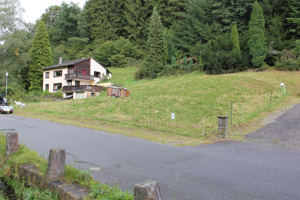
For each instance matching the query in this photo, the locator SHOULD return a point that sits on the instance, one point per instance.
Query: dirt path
(282, 128)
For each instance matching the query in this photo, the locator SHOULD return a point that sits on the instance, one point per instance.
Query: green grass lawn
(195, 99)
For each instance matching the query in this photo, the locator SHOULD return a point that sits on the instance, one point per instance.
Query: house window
(57, 73)
(71, 71)
(69, 82)
(56, 86)
(47, 87)
(47, 75)
(77, 83)
(92, 94)
(97, 74)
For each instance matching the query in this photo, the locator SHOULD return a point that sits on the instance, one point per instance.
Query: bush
(138, 75)
(217, 56)
(58, 94)
(46, 93)
(288, 61)
(264, 67)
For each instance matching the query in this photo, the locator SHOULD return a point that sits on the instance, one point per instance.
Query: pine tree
(235, 39)
(184, 62)
(257, 42)
(294, 19)
(105, 19)
(41, 56)
(157, 48)
(194, 28)
(137, 14)
(170, 46)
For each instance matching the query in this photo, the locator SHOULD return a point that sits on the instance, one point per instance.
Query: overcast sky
(35, 8)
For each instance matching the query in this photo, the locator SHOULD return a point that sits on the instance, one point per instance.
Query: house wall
(85, 65)
(95, 66)
(52, 80)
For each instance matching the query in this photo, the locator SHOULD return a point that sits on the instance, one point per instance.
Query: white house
(77, 78)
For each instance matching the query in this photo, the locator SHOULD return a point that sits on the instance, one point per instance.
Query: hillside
(196, 100)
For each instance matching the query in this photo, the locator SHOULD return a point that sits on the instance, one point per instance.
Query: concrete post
(148, 190)
(12, 142)
(56, 164)
(223, 126)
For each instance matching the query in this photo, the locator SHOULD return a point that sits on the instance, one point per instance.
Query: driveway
(224, 170)
(284, 131)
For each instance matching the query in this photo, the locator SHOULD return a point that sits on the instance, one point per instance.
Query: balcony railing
(79, 76)
(82, 88)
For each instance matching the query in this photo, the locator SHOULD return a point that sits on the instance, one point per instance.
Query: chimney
(60, 60)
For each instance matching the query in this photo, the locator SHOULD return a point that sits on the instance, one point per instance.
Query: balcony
(79, 76)
(72, 88)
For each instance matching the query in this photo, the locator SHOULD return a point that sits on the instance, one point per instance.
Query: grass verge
(9, 172)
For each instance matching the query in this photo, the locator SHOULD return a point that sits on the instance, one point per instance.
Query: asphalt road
(225, 170)
(284, 131)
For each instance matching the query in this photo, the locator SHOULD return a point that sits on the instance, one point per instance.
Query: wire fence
(191, 123)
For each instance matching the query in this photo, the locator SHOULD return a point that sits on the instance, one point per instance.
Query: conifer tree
(171, 51)
(184, 62)
(294, 19)
(157, 48)
(41, 56)
(257, 42)
(235, 39)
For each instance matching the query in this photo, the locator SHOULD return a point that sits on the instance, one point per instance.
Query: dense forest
(223, 35)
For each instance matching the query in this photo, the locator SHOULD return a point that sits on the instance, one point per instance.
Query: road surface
(224, 170)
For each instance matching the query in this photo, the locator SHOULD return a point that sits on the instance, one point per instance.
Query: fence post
(231, 112)
(260, 104)
(147, 190)
(148, 116)
(242, 113)
(271, 97)
(56, 164)
(204, 126)
(12, 142)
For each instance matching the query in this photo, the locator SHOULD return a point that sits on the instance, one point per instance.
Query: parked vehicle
(117, 92)
(4, 106)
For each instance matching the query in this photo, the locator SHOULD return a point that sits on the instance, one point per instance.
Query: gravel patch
(271, 118)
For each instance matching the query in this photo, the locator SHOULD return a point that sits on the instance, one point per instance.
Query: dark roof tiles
(67, 63)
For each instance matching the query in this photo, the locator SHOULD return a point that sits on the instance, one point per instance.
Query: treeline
(223, 35)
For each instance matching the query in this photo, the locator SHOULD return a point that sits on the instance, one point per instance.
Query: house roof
(67, 63)
(188, 60)
(72, 62)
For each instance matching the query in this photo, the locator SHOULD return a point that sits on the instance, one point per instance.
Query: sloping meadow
(194, 99)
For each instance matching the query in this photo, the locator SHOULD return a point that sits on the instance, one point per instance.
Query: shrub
(58, 94)
(288, 61)
(138, 75)
(46, 93)
(264, 67)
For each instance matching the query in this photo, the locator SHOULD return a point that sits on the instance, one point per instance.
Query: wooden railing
(79, 76)
(82, 88)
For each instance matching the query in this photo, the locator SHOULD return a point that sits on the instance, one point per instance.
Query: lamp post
(6, 85)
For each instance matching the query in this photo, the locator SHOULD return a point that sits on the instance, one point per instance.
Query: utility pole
(6, 85)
